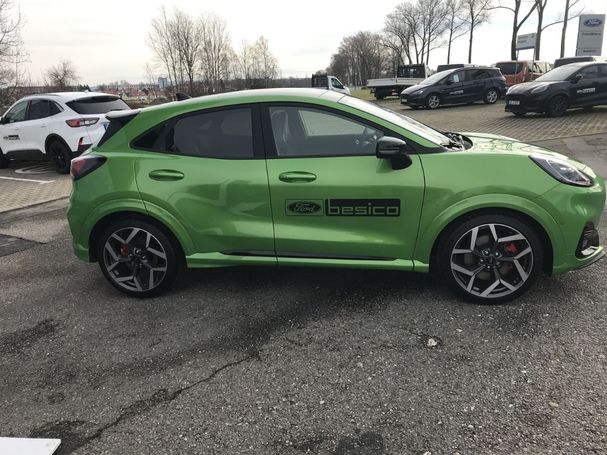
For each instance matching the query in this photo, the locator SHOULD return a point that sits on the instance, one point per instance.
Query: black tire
(557, 106)
(490, 274)
(519, 114)
(60, 155)
(3, 161)
(491, 96)
(433, 101)
(137, 256)
(415, 107)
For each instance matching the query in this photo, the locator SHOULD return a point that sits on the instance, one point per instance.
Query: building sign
(526, 41)
(590, 34)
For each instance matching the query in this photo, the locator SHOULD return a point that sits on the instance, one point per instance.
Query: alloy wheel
(492, 260)
(433, 101)
(491, 96)
(135, 259)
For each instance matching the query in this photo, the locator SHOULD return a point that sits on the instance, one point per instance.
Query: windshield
(424, 131)
(411, 71)
(558, 74)
(510, 67)
(434, 78)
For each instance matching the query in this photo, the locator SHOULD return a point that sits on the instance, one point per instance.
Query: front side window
(337, 84)
(38, 109)
(304, 131)
(456, 77)
(216, 134)
(16, 113)
(590, 72)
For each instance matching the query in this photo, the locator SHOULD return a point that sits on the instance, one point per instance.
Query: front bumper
(521, 104)
(412, 100)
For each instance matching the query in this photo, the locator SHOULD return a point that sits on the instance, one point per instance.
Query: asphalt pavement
(293, 360)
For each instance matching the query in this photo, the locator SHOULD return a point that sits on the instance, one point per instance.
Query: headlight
(539, 89)
(417, 92)
(509, 90)
(562, 171)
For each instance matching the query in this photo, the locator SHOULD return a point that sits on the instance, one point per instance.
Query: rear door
(332, 199)
(602, 97)
(476, 84)
(207, 170)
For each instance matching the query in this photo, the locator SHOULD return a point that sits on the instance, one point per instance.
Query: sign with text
(526, 41)
(590, 34)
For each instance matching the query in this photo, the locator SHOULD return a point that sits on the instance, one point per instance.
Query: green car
(315, 178)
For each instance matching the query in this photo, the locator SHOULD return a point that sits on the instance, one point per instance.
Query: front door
(206, 170)
(587, 90)
(11, 138)
(455, 91)
(331, 197)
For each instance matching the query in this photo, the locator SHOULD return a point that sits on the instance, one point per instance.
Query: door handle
(166, 175)
(297, 177)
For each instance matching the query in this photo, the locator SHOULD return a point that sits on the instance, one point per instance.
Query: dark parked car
(462, 85)
(581, 58)
(574, 85)
(450, 66)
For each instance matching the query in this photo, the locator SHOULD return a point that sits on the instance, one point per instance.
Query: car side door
(454, 90)
(206, 171)
(11, 140)
(35, 128)
(476, 84)
(332, 199)
(602, 97)
(585, 90)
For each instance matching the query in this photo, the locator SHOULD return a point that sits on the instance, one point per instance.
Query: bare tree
(476, 14)
(161, 40)
(568, 14)
(12, 54)
(187, 37)
(264, 66)
(519, 18)
(399, 28)
(433, 14)
(456, 24)
(62, 75)
(216, 52)
(243, 60)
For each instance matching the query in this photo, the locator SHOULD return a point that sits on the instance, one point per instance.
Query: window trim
(270, 145)
(258, 147)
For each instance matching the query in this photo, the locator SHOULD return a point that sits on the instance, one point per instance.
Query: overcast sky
(106, 40)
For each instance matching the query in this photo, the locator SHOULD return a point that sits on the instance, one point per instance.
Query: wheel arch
(106, 220)
(54, 137)
(538, 228)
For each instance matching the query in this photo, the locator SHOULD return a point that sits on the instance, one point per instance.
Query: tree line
(416, 28)
(197, 56)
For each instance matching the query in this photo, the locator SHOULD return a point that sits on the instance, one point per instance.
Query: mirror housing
(395, 150)
(448, 81)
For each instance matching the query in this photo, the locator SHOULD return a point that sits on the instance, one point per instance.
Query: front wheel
(433, 101)
(490, 258)
(491, 96)
(137, 258)
(557, 107)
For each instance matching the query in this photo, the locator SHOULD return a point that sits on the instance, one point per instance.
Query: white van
(329, 83)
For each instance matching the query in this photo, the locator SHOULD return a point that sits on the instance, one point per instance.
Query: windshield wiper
(455, 140)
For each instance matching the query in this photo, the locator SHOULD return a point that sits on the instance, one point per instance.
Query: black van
(450, 66)
(456, 86)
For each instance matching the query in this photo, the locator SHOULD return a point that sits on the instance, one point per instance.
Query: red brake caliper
(510, 248)
(124, 250)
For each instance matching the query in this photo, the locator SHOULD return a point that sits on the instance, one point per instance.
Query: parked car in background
(582, 58)
(450, 66)
(573, 85)
(55, 126)
(519, 71)
(406, 76)
(456, 86)
(327, 82)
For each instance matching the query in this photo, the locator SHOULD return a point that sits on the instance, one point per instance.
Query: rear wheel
(491, 96)
(3, 161)
(432, 101)
(137, 258)
(60, 155)
(557, 107)
(490, 258)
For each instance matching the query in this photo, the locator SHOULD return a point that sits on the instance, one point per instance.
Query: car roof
(67, 96)
(264, 94)
(582, 64)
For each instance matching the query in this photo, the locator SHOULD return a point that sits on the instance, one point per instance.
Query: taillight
(78, 122)
(84, 165)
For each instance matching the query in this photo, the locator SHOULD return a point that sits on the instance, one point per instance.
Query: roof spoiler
(180, 96)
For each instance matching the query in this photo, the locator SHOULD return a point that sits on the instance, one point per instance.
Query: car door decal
(362, 207)
(11, 137)
(456, 92)
(304, 208)
(587, 90)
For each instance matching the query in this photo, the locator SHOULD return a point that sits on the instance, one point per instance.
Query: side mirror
(449, 81)
(577, 78)
(395, 150)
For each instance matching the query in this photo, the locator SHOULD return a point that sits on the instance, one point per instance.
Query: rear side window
(224, 134)
(477, 75)
(97, 105)
(510, 67)
(39, 109)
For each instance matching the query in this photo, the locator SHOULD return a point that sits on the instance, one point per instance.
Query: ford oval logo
(304, 207)
(592, 22)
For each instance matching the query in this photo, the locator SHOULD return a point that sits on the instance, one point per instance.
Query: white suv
(55, 126)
